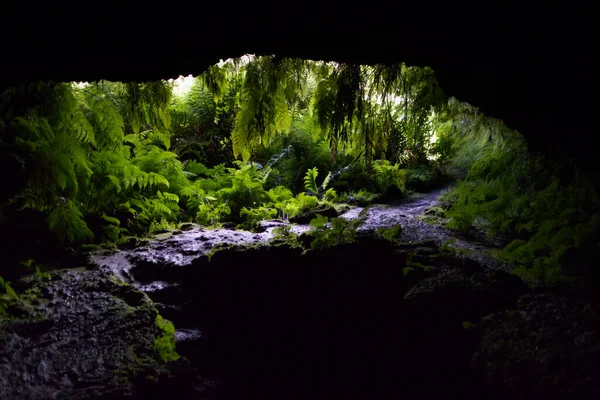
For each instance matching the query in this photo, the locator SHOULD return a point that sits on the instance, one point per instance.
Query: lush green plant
(106, 160)
(388, 175)
(284, 233)
(421, 177)
(390, 234)
(255, 215)
(541, 214)
(165, 343)
(5, 297)
(310, 183)
(328, 233)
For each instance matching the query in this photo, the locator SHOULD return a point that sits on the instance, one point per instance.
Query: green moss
(468, 325)
(165, 344)
(430, 220)
(390, 234)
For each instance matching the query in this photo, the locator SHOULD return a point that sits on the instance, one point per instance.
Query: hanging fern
(264, 111)
(147, 104)
(215, 79)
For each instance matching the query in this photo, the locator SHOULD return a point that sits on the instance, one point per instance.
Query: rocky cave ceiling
(532, 69)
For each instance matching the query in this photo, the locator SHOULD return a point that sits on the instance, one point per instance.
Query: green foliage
(541, 213)
(327, 233)
(210, 215)
(67, 222)
(450, 248)
(362, 197)
(388, 175)
(146, 105)
(157, 226)
(106, 160)
(7, 296)
(390, 234)
(264, 111)
(299, 204)
(165, 344)
(444, 149)
(38, 270)
(285, 234)
(255, 215)
(246, 189)
(310, 181)
(420, 177)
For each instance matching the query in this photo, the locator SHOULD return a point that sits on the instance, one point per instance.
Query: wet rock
(92, 338)
(263, 226)
(548, 347)
(435, 211)
(229, 225)
(188, 226)
(163, 236)
(411, 246)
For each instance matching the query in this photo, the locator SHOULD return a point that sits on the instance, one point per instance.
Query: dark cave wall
(532, 69)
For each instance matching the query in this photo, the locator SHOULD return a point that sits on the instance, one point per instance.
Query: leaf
(112, 220)
(310, 180)
(326, 181)
(27, 263)
(406, 270)
(318, 222)
(9, 290)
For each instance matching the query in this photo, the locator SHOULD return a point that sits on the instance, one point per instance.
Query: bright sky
(182, 85)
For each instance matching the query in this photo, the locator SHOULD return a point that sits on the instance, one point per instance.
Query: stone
(93, 337)
(547, 347)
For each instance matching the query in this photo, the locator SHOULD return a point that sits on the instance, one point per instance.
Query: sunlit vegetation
(545, 215)
(262, 137)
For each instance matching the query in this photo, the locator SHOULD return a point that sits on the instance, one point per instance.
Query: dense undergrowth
(261, 137)
(544, 215)
(105, 160)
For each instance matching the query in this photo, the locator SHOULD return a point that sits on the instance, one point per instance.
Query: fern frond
(67, 222)
(326, 181)
(111, 220)
(310, 180)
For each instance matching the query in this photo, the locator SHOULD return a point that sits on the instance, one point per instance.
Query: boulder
(85, 335)
(547, 347)
(462, 294)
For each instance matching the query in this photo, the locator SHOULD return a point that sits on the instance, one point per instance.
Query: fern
(310, 181)
(67, 222)
(145, 104)
(5, 297)
(264, 110)
(338, 231)
(325, 181)
(388, 175)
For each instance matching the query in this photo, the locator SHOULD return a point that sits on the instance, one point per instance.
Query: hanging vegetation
(266, 137)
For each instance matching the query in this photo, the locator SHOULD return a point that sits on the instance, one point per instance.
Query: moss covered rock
(84, 334)
(547, 347)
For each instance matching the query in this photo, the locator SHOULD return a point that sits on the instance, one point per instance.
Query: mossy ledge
(84, 334)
